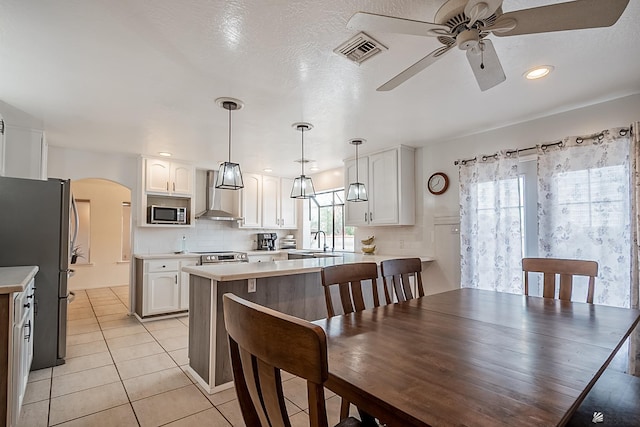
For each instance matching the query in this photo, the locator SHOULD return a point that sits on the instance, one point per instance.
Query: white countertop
(167, 256)
(242, 271)
(15, 279)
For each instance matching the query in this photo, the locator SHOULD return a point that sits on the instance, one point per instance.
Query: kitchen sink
(312, 254)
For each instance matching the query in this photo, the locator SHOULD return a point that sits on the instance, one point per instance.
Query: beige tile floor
(121, 372)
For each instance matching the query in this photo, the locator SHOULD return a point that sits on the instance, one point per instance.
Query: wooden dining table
(473, 357)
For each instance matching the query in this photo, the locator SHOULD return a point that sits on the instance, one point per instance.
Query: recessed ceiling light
(267, 170)
(165, 154)
(314, 168)
(538, 72)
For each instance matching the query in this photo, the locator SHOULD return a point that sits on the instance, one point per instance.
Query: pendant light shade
(357, 191)
(302, 185)
(229, 175)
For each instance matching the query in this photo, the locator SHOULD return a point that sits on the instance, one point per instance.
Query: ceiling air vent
(360, 48)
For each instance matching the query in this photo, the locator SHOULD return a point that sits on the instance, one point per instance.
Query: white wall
(105, 267)
(434, 233)
(328, 180)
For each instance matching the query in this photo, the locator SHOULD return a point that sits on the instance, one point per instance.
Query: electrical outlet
(252, 285)
(401, 244)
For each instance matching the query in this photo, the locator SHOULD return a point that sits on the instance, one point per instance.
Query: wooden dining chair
(348, 278)
(262, 342)
(396, 274)
(566, 268)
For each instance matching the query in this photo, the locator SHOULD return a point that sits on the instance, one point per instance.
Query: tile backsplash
(207, 235)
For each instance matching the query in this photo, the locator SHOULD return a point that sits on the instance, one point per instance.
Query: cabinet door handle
(28, 336)
(176, 278)
(365, 217)
(27, 305)
(167, 185)
(370, 216)
(174, 186)
(281, 221)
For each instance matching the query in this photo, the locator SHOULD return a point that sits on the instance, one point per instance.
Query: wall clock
(438, 183)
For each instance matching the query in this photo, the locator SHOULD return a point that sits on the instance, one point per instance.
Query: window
(326, 212)
(571, 203)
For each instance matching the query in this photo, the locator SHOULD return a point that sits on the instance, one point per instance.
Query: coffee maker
(267, 241)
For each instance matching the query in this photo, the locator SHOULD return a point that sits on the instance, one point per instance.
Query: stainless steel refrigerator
(34, 230)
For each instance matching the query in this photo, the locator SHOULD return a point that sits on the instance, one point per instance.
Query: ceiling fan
(467, 23)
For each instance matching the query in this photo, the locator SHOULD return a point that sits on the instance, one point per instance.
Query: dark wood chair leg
(344, 409)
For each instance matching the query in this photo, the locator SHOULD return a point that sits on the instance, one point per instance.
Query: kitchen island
(293, 287)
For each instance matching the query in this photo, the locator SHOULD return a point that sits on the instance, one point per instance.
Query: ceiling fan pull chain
(481, 55)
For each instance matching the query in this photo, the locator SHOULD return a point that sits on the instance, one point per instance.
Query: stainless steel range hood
(213, 198)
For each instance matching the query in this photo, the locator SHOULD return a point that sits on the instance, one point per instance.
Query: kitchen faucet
(325, 239)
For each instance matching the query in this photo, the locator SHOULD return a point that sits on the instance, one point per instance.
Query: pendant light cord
(357, 177)
(229, 134)
(302, 162)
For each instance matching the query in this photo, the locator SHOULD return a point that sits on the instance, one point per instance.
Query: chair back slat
(396, 275)
(566, 269)
(349, 278)
(264, 341)
(345, 298)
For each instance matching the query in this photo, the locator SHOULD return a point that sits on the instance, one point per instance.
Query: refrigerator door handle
(76, 223)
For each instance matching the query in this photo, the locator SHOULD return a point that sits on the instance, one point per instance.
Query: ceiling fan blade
(389, 24)
(486, 65)
(415, 69)
(502, 25)
(575, 15)
(480, 9)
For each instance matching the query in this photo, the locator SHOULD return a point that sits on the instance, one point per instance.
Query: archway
(103, 244)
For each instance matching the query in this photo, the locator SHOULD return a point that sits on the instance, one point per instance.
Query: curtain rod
(579, 140)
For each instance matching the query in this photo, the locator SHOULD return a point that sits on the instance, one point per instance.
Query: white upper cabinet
(389, 177)
(270, 202)
(384, 193)
(251, 201)
(288, 206)
(169, 177)
(23, 152)
(265, 202)
(166, 183)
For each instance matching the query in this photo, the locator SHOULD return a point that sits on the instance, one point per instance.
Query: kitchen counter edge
(16, 279)
(243, 271)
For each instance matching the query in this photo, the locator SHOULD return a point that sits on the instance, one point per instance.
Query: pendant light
(229, 174)
(302, 185)
(357, 191)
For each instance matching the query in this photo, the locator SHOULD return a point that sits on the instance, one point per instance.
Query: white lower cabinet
(161, 286)
(22, 350)
(163, 292)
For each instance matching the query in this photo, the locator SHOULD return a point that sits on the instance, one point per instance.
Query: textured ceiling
(141, 76)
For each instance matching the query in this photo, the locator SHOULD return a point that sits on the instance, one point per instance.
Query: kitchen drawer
(160, 265)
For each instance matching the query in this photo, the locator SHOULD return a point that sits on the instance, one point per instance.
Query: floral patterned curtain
(584, 201)
(490, 224)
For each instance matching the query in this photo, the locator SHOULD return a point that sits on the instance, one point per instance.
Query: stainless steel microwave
(166, 215)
